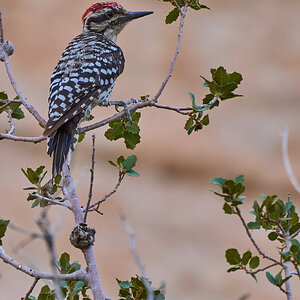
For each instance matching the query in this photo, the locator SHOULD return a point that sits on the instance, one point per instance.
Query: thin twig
(95, 205)
(180, 110)
(262, 269)
(154, 99)
(53, 201)
(253, 241)
(133, 251)
(286, 161)
(31, 288)
(43, 224)
(91, 182)
(1, 30)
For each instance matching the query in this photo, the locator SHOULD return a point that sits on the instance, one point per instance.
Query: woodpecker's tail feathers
(59, 145)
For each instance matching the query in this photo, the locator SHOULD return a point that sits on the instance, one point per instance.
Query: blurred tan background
(182, 233)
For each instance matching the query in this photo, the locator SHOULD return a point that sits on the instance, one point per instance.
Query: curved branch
(35, 139)
(78, 275)
(286, 161)
(183, 14)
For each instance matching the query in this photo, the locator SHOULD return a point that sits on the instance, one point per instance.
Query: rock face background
(182, 233)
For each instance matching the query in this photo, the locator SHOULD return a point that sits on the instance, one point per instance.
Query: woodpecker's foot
(125, 105)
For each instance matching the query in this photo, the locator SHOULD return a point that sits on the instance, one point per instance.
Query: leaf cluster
(70, 289)
(277, 280)
(221, 88)
(273, 215)
(174, 14)
(246, 262)
(123, 128)
(16, 111)
(136, 289)
(49, 188)
(125, 166)
(231, 192)
(3, 227)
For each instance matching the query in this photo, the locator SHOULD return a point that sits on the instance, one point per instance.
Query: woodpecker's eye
(109, 14)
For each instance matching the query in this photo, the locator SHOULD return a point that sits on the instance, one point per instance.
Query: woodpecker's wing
(88, 66)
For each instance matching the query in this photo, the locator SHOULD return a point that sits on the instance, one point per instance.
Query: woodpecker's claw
(125, 105)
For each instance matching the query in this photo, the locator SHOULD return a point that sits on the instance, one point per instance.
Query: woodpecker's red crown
(100, 6)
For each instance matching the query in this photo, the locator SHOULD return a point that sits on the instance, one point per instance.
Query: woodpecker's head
(109, 18)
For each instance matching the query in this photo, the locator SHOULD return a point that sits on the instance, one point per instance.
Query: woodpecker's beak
(131, 15)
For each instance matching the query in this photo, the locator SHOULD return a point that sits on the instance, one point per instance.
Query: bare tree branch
(37, 139)
(132, 248)
(53, 201)
(43, 224)
(154, 99)
(92, 275)
(286, 161)
(78, 275)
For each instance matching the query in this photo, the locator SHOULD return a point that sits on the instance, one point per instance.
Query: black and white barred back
(83, 78)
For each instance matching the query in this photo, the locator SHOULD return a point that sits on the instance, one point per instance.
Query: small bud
(7, 48)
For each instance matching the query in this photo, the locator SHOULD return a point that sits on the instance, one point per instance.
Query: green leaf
(3, 227)
(31, 175)
(233, 269)
(286, 256)
(272, 236)
(232, 256)
(253, 225)
(77, 288)
(133, 128)
(132, 173)
(39, 170)
(3, 96)
(271, 278)
(64, 261)
(172, 16)
(219, 181)
(114, 133)
(112, 163)
(35, 203)
(254, 262)
(120, 160)
(205, 120)
(129, 162)
(239, 179)
(189, 123)
(246, 257)
(131, 140)
(16, 111)
(81, 137)
(125, 284)
(288, 206)
(228, 209)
